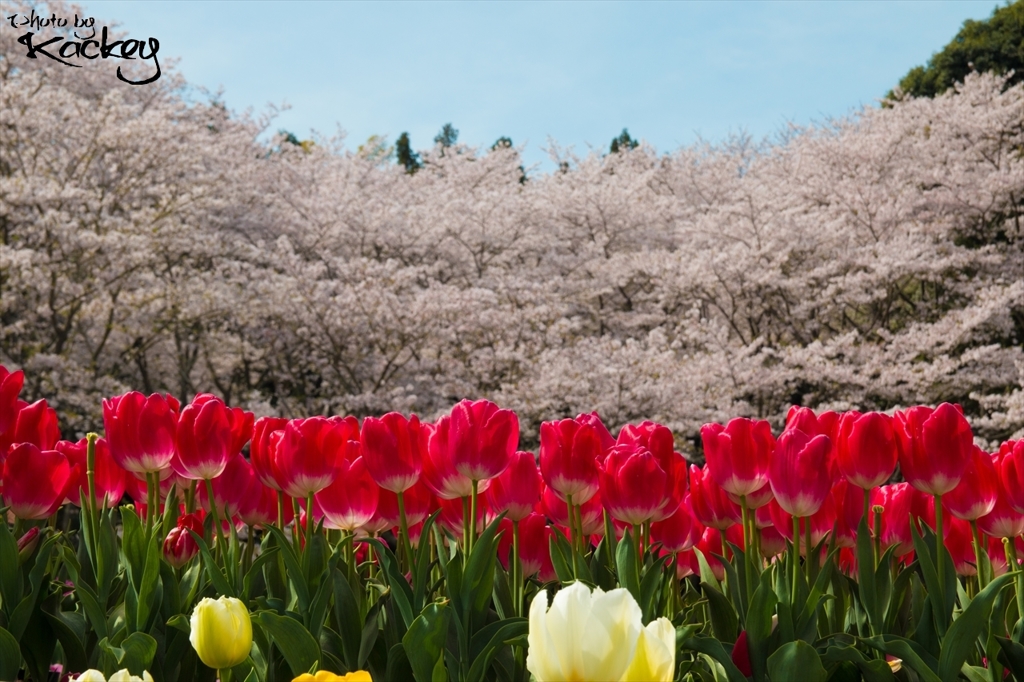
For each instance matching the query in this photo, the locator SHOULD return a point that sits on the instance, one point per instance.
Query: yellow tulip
(596, 636)
(93, 675)
(324, 676)
(221, 632)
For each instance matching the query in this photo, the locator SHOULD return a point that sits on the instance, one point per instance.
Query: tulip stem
(250, 548)
(190, 497)
(403, 527)
(796, 557)
(1011, 565)
(877, 524)
(90, 472)
(939, 547)
(280, 510)
(979, 556)
(465, 525)
(748, 534)
(517, 572)
(213, 512)
(310, 526)
(472, 516)
(811, 568)
(296, 524)
(638, 538)
(224, 674)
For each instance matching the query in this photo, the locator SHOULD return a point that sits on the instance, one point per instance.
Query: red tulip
(711, 544)
(1003, 521)
(632, 484)
(141, 430)
(136, 488)
(799, 472)
(179, 545)
(934, 447)
(866, 448)
(482, 438)
(393, 450)
(960, 542)
(258, 506)
(678, 532)
(591, 511)
(439, 471)
(209, 433)
(10, 386)
(351, 500)
(804, 419)
(534, 534)
(773, 543)
(36, 481)
(36, 424)
(822, 521)
(975, 495)
(517, 490)
(419, 503)
(897, 501)
(741, 655)
(263, 451)
(451, 517)
(849, 505)
(738, 454)
(308, 451)
(757, 499)
(1011, 472)
(709, 503)
(570, 451)
(110, 480)
(230, 487)
(659, 441)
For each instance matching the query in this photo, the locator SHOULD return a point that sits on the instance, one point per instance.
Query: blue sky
(576, 72)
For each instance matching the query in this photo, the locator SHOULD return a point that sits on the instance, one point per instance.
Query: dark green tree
(447, 137)
(995, 44)
(405, 155)
(502, 143)
(623, 142)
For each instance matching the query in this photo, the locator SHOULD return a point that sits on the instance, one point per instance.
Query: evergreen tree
(447, 137)
(405, 155)
(502, 143)
(623, 141)
(995, 44)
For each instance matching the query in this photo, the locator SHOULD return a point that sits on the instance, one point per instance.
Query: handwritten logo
(67, 51)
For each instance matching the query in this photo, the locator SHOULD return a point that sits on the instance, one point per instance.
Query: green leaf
(713, 648)
(217, 577)
(625, 564)
(494, 637)
(871, 670)
(912, 655)
(759, 624)
(724, 621)
(10, 573)
(401, 592)
(425, 641)
(561, 557)
(294, 642)
(69, 633)
(1012, 656)
(966, 629)
(796, 661)
(137, 652)
(10, 654)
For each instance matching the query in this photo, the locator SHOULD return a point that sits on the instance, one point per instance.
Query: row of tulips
(413, 549)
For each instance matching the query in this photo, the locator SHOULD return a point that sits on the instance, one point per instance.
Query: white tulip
(594, 636)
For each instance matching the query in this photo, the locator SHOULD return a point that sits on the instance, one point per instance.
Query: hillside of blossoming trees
(150, 240)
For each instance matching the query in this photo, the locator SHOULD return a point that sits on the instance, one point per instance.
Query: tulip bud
(221, 632)
(27, 544)
(179, 546)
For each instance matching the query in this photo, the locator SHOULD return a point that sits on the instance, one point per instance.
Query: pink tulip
(738, 454)
(866, 448)
(258, 507)
(570, 452)
(419, 503)
(439, 471)
(679, 532)
(351, 500)
(799, 472)
(1011, 472)
(179, 545)
(393, 450)
(36, 424)
(141, 430)
(934, 447)
(209, 433)
(263, 451)
(897, 501)
(36, 481)
(659, 441)
(822, 521)
(451, 517)
(230, 487)
(709, 503)
(632, 484)
(849, 505)
(1004, 521)
(591, 511)
(110, 479)
(975, 495)
(960, 542)
(308, 451)
(517, 490)
(482, 438)
(10, 386)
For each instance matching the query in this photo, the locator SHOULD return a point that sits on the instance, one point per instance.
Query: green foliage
(623, 142)
(447, 137)
(405, 155)
(995, 44)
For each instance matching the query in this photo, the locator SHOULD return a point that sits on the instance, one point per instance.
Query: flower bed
(398, 549)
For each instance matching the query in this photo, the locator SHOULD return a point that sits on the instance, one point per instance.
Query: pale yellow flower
(324, 676)
(596, 636)
(221, 632)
